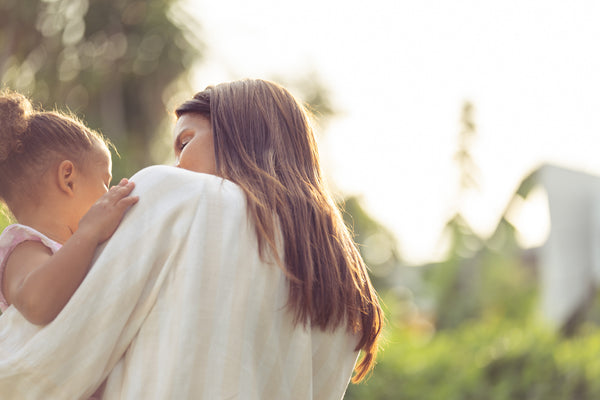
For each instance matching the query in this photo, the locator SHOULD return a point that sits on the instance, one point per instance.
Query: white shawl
(178, 305)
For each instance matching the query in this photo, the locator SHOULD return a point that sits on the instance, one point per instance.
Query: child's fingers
(121, 191)
(126, 202)
(122, 182)
(126, 188)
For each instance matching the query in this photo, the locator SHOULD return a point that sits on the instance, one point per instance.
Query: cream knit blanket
(178, 305)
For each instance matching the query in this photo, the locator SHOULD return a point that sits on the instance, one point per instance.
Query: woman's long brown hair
(264, 143)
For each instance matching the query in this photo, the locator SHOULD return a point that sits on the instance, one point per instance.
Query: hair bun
(14, 113)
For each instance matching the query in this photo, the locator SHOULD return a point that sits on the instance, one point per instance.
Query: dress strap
(12, 236)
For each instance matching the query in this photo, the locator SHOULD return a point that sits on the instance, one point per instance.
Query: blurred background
(460, 139)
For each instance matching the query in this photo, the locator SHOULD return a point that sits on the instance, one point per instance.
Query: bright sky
(400, 70)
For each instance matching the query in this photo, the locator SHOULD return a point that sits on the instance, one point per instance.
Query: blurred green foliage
(469, 327)
(3, 217)
(376, 243)
(481, 278)
(116, 64)
(481, 338)
(487, 359)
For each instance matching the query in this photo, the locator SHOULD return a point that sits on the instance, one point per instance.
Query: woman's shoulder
(161, 172)
(161, 179)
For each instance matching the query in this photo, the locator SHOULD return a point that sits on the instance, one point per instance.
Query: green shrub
(485, 360)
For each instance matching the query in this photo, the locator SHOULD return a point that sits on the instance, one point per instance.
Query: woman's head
(194, 144)
(37, 146)
(259, 129)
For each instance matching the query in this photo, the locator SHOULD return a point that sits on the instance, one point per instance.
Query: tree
(478, 273)
(467, 167)
(114, 63)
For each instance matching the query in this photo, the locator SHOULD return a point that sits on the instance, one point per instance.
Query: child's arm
(38, 283)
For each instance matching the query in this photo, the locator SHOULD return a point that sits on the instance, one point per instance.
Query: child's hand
(103, 218)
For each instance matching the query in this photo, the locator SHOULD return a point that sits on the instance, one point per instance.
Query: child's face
(94, 181)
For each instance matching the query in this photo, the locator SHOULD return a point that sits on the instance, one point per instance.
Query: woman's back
(221, 314)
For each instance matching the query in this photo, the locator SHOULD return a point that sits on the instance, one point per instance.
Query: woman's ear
(66, 176)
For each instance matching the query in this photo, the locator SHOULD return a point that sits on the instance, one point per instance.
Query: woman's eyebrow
(184, 129)
(177, 140)
(181, 131)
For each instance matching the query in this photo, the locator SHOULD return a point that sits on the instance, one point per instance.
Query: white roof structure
(569, 261)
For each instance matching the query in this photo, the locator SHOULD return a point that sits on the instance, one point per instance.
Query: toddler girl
(54, 179)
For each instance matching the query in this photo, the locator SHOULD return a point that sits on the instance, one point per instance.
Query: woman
(244, 287)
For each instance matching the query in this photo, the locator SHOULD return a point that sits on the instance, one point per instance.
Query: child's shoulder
(25, 238)
(17, 233)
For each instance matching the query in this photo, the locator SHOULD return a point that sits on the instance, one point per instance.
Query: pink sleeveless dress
(10, 238)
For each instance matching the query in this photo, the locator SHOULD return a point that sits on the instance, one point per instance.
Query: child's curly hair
(31, 141)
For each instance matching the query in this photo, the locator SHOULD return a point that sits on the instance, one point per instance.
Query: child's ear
(66, 176)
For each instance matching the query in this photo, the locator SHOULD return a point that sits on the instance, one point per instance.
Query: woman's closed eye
(182, 141)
